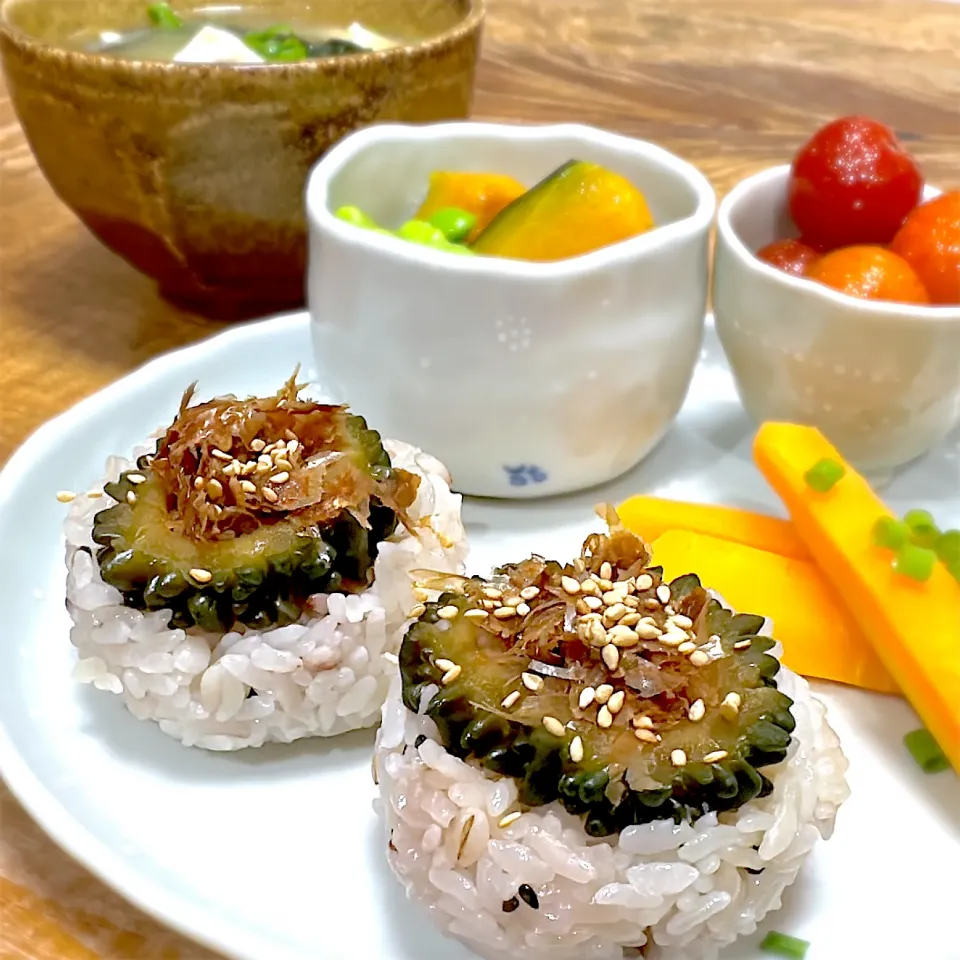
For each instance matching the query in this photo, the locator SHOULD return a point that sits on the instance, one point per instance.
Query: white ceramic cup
(881, 380)
(525, 378)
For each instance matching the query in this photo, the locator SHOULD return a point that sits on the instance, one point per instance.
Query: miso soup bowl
(881, 380)
(525, 378)
(194, 173)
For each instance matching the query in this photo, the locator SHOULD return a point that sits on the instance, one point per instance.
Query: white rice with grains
(320, 677)
(684, 888)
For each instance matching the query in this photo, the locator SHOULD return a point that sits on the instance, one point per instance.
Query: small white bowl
(881, 380)
(526, 379)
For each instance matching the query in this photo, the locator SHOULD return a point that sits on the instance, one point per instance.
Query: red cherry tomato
(852, 183)
(791, 256)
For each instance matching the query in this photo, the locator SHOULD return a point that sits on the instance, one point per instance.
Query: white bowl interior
(389, 178)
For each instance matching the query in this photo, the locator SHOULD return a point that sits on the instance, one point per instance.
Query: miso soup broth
(232, 34)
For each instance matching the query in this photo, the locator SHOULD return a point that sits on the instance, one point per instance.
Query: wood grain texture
(732, 85)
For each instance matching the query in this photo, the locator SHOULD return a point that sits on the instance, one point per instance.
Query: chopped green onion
(277, 44)
(825, 475)
(890, 533)
(357, 217)
(926, 751)
(924, 531)
(162, 15)
(455, 224)
(948, 547)
(917, 563)
(784, 945)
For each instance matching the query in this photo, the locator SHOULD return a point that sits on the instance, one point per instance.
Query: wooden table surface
(732, 85)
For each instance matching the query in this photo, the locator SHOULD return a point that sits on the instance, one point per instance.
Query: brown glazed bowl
(195, 173)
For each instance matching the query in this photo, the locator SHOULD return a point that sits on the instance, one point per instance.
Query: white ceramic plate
(275, 854)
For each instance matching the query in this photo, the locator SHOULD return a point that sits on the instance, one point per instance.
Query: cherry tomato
(870, 273)
(929, 241)
(790, 256)
(852, 183)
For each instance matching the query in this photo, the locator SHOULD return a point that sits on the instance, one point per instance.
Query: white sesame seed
(603, 692)
(716, 756)
(663, 593)
(576, 750)
(696, 711)
(94, 494)
(590, 587)
(418, 611)
(256, 445)
(647, 631)
(509, 818)
(679, 620)
(522, 609)
(630, 619)
(476, 614)
(448, 613)
(444, 664)
(266, 460)
(270, 495)
(587, 696)
(688, 646)
(596, 634)
(734, 698)
(131, 497)
(615, 703)
(201, 575)
(390, 657)
(644, 581)
(631, 603)
(592, 603)
(217, 509)
(669, 611)
(647, 736)
(231, 469)
(604, 717)
(606, 571)
(490, 604)
(611, 656)
(220, 455)
(673, 638)
(511, 601)
(451, 674)
(504, 613)
(604, 586)
(510, 699)
(492, 593)
(643, 723)
(214, 488)
(281, 477)
(678, 758)
(262, 467)
(247, 487)
(582, 608)
(742, 644)
(699, 659)
(420, 595)
(136, 478)
(283, 463)
(615, 612)
(528, 593)
(570, 585)
(554, 726)
(197, 483)
(531, 681)
(621, 636)
(65, 496)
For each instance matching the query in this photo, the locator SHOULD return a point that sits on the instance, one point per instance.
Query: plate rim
(51, 815)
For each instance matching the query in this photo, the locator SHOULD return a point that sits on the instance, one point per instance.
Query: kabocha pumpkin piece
(578, 208)
(482, 194)
(651, 517)
(589, 733)
(914, 626)
(820, 639)
(254, 569)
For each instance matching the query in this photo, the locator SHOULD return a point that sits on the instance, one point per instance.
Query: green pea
(455, 224)
(419, 231)
(357, 217)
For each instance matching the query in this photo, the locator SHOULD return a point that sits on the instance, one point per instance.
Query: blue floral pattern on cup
(525, 474)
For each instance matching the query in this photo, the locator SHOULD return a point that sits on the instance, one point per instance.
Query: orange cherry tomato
(790, 256)
(870, 273)
(929, 241)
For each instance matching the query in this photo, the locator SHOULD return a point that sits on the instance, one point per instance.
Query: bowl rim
(466, 26)
(321, 218)
(878, 310)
